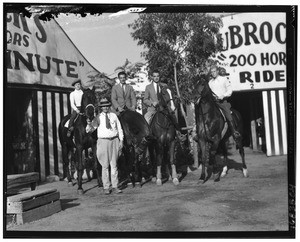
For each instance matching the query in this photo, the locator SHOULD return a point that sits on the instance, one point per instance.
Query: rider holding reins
(75, 100)
(222, 89)
(151, 98)
(122, 95)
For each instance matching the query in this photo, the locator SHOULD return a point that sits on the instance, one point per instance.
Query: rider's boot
(235, 134)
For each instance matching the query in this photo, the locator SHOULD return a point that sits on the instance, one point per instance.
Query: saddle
(162, 122)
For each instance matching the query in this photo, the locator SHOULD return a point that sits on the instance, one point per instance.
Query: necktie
(158, 90)
(123, 86)
(108, 126)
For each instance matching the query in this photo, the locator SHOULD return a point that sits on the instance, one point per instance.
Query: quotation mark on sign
(81, 63)
(221, 57)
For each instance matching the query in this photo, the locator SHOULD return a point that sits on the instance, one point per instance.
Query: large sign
(39, 52)
(255, 50)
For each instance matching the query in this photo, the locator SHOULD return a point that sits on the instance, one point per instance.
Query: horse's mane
(208, 93)
(163, 97)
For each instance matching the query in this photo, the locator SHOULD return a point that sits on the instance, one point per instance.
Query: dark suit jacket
(119, 99)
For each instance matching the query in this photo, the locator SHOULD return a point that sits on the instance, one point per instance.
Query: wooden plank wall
(48, 108)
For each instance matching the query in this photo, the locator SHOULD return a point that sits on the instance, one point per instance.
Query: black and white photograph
(149, 120)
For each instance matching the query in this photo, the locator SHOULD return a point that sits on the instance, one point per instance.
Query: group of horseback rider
(110, 133)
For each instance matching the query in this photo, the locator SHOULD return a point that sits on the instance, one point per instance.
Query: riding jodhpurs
(72, 118)
(225, 107)
(149, 115)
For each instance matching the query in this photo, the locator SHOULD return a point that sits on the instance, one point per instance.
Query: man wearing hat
(75, 100)
(109, 144)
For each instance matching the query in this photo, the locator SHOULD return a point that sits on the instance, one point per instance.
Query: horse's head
(87, 103)
(166, 100)
(201, 91)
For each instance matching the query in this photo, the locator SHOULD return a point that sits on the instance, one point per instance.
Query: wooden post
(178, 93)
(192, 144)
(254, 135)
(191, 123)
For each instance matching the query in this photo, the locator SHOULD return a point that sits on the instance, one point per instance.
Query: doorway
(250, 105)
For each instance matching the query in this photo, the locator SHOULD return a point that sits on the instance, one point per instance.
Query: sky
(104, 40)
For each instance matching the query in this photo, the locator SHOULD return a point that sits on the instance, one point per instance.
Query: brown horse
(163, 146)
(212, 131)
(82, 140)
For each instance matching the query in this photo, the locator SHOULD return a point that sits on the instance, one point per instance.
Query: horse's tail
(61, 127)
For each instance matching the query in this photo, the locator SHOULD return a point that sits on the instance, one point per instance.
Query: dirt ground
(256, 203)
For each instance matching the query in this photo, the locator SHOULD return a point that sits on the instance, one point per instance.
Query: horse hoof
(245, 172)
(80, 191)
(223, 174)
(202, 177)
(175, 181)
(158, 182)
(205, 180)
(153, 179)
(70, 184)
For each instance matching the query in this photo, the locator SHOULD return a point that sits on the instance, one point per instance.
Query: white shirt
(103, 132)
(75, 99)
(155, 86)
(221, 86)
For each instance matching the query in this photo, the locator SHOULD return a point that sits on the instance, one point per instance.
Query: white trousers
(107, 154)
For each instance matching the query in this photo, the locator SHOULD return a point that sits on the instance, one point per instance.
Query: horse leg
(215, 167)
(173, 165)
(66, 164)
(159, 155)
(72, 163)
(203, 148)
(137, 171)
(206, 158)
(86, 164)
(225, 161)
(132, 165)
(79, 164)
(97, 166)
(152, 158)
(242, 153)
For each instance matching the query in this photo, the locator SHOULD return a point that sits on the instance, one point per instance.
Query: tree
(129, 68)
(177, 44)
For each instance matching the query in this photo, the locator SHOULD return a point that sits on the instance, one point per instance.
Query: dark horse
(137, 136)
(82, 140)
(212, 131)
(163, 130)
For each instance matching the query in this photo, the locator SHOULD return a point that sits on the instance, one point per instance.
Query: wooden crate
(34, 205)
(20, 180)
